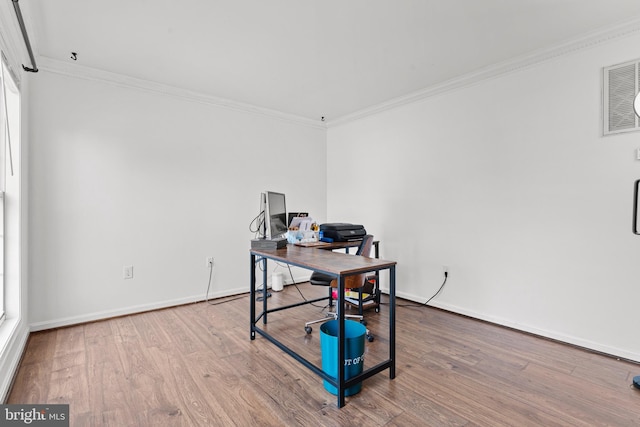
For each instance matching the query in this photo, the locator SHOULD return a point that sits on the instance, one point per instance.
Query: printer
(342, 232)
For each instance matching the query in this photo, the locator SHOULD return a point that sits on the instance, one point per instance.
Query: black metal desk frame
(348, 266)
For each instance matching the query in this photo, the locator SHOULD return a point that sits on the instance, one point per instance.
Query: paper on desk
(301, 223)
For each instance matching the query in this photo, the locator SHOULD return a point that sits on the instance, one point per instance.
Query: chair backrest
(357, 281)
(365, 246)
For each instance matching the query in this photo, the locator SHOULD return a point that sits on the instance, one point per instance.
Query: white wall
(509, 183)
(121, 176)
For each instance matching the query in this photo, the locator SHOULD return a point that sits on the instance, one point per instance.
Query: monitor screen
(275, 215)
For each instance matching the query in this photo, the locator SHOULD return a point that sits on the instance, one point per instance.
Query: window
(621, 84)
(9, 141)
(2, 313)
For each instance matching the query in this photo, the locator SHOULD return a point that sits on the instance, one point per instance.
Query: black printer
(343, 232)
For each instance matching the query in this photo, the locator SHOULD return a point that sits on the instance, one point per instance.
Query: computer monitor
(275, 215)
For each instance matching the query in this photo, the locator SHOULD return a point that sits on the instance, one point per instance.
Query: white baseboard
(106, 314)
(298, 279)
(554, 335)
(14, 335)
(92, 317)
(10, 356)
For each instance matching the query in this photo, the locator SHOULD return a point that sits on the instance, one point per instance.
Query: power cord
(258, 221)
(261, 297)
(206, 297)
(446, 274)
(432, 297)
(294, 283)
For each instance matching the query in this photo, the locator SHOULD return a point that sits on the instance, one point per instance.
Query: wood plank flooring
(194, 365)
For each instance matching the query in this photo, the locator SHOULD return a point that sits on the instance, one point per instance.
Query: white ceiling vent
(621, 84)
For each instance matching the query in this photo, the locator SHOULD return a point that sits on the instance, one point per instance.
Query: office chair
(351, 282)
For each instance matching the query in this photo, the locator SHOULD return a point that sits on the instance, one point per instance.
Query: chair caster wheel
(308, 329)
(370, 338)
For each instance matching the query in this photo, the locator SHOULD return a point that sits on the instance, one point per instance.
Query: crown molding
(569, 47)
(120, 80)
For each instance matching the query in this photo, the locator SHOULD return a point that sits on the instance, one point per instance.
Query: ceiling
(309, 58)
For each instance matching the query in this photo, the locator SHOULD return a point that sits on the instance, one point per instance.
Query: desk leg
(252, 297)
(264, 290)
(340, 308)
(376, 246)
(392, 322)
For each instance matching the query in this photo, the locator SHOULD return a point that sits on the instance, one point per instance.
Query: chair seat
(320, 279)
(350, 282)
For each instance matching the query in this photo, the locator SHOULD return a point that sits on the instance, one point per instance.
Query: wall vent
(621, 84)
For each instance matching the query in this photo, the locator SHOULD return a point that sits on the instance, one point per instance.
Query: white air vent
(621, 84)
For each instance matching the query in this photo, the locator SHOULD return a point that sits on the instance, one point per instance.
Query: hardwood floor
(194, 365)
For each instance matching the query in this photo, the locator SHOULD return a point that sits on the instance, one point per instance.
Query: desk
(341, 245)
(340, 266)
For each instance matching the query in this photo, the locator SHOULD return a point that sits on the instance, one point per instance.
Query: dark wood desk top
(323, 260)
(333, 245)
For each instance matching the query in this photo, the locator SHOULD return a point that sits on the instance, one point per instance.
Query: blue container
(354, 334)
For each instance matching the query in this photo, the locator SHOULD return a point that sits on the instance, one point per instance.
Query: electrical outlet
(209, 261)
(127, 272)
